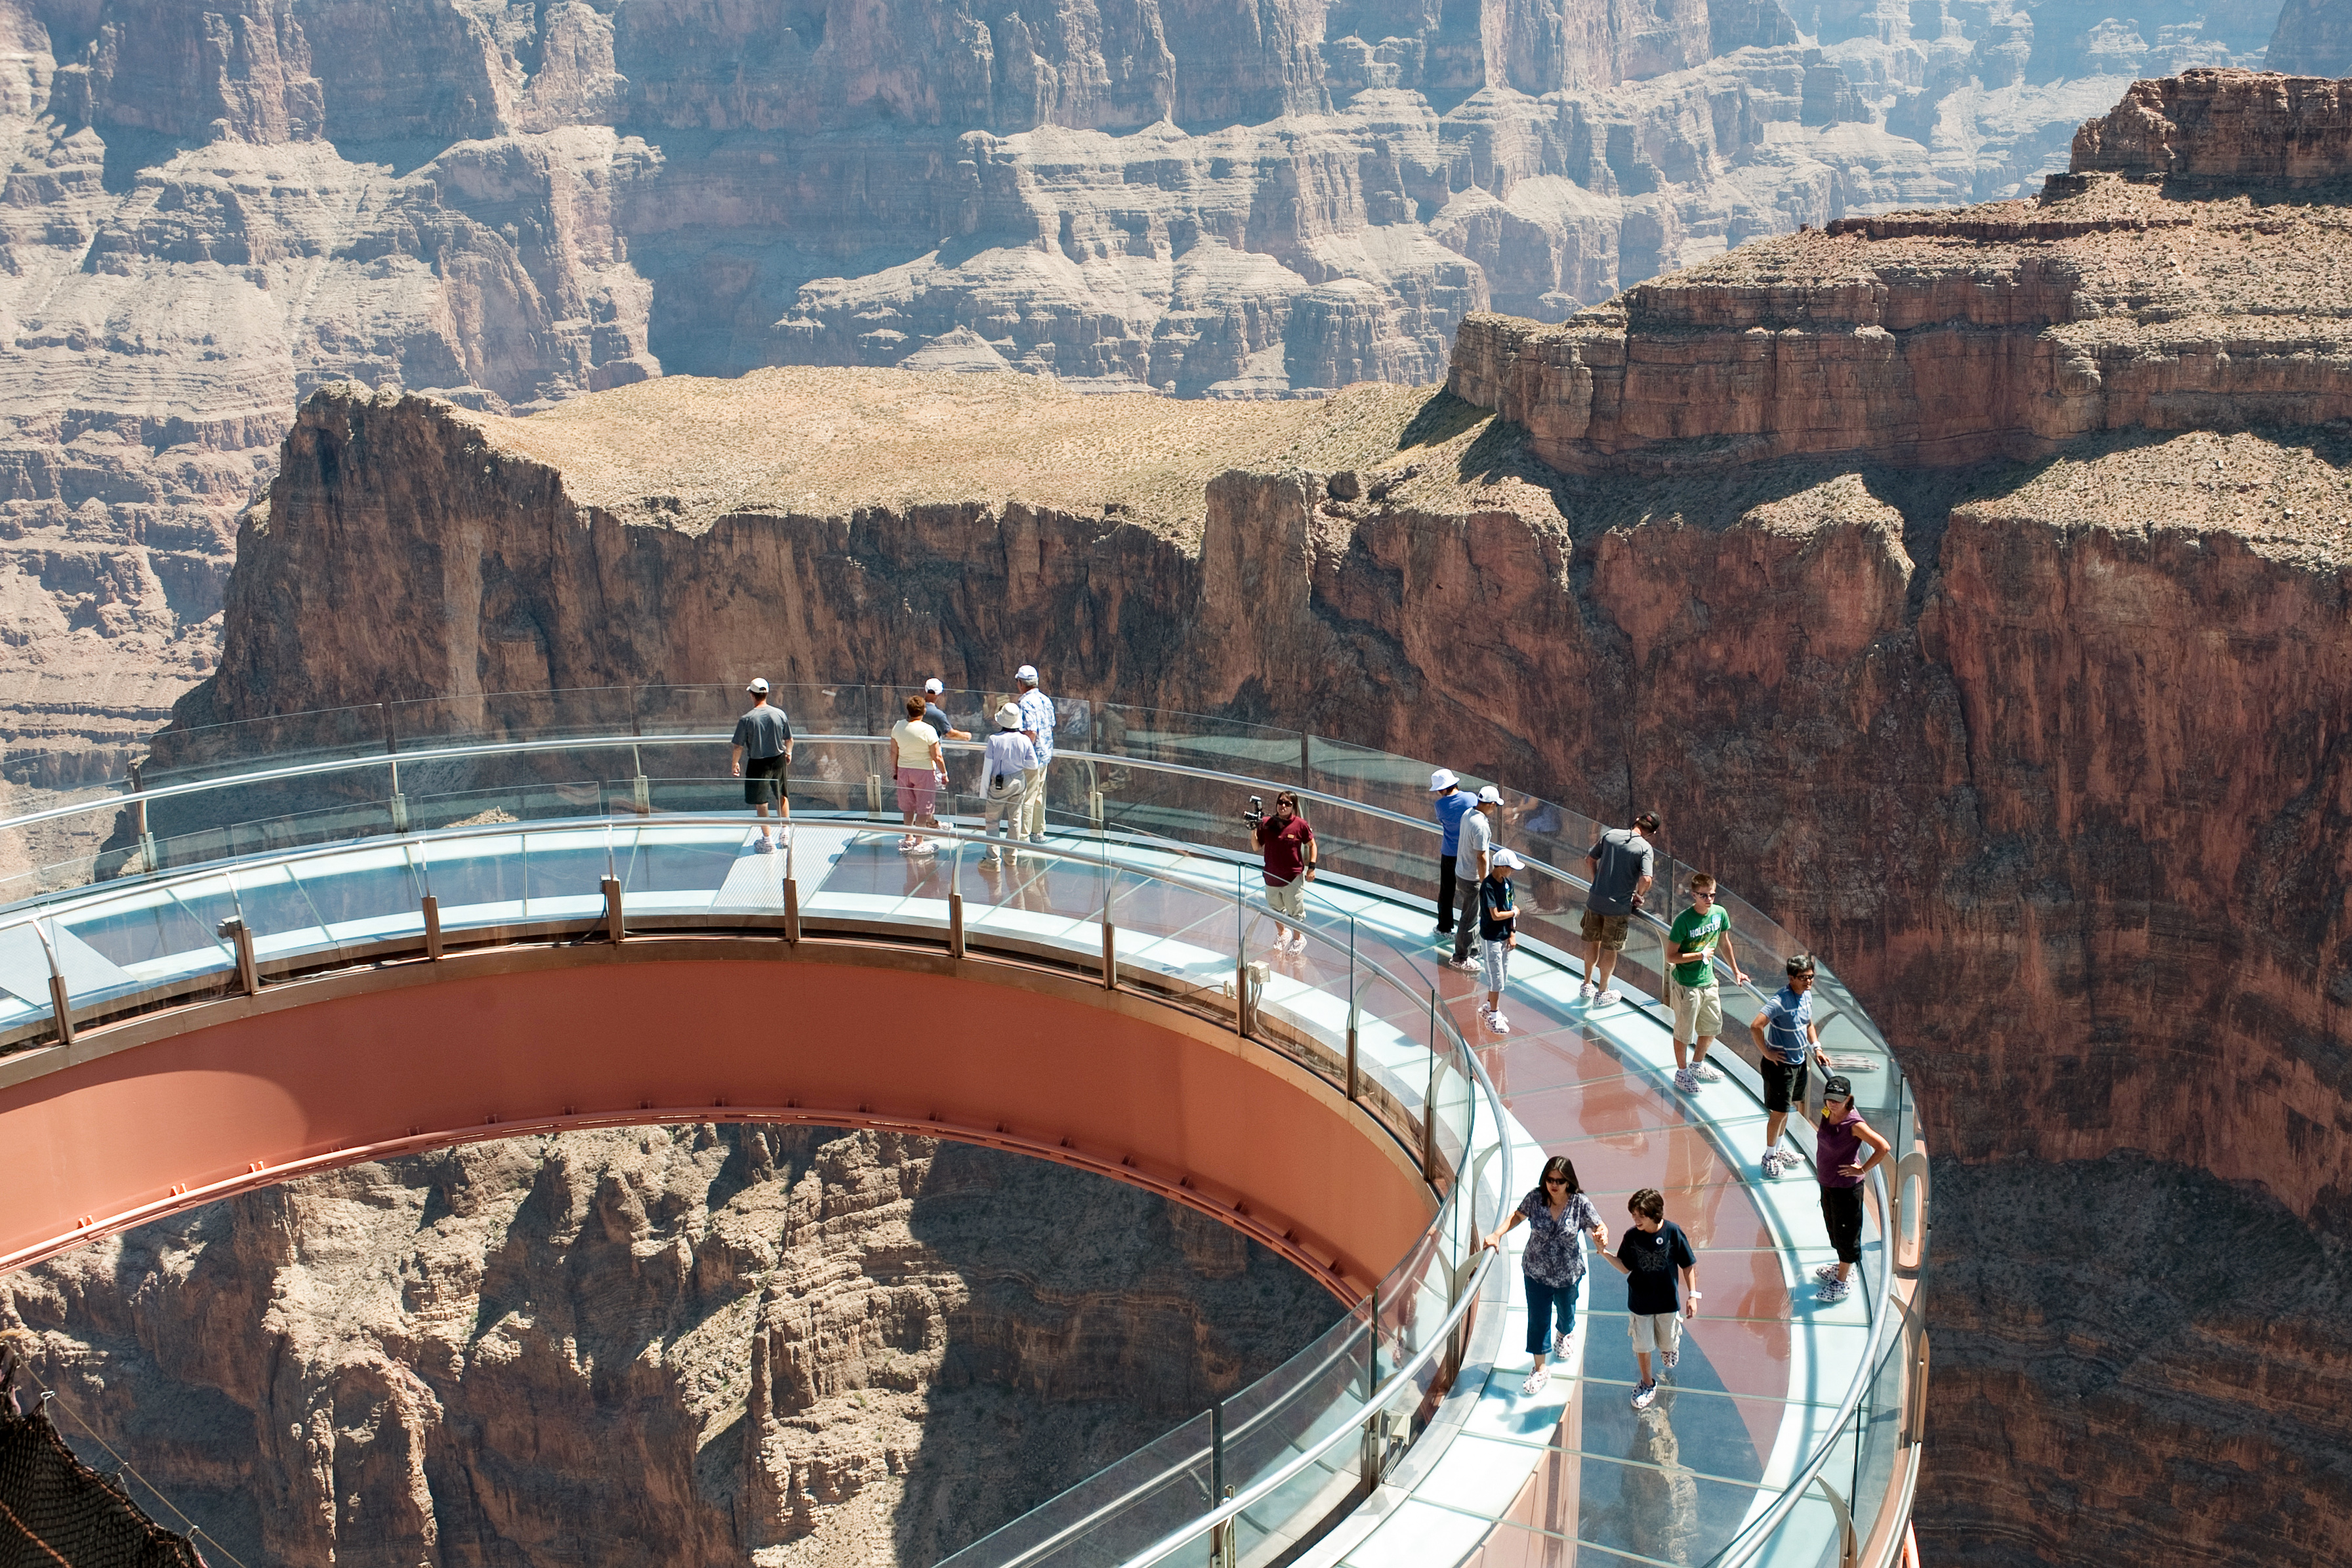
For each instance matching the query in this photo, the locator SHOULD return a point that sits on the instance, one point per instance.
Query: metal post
(241, 936)
(1368, 1458)
(61, 1008)
(1306, 760)
(641, 788)
(1111, 956)
(1429, 1102)
(1355, 1014)
(874, 794)
(612, 886)
(1094, 806)
(955, 925)
(432, 907)
(792, 911)
(1217, 1450)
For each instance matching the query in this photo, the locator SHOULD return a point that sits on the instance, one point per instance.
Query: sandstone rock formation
(666, 1345)
(211, 209)
(2109, 302)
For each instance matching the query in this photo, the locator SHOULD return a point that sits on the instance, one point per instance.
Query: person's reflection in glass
(1656, 1512)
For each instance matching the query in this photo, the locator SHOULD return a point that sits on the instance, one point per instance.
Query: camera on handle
(1256, 813)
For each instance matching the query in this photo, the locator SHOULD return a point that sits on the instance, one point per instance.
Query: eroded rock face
(2003, 330)
(2045, 758)
(211, 209)
(669, 1345)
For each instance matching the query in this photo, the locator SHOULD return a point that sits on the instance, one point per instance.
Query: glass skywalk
(1788, 1424)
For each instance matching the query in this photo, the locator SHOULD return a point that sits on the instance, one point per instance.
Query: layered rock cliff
(2047, 757)
(664, 1345)
(2161, 285)
(211, 209)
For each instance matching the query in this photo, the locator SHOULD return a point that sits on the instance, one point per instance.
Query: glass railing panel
(1199, 741)
(1281, 1416)
(658, 862)
(277, 911)
(563, 873)
(215, 750)
(152, 934)
(1111, 1515)
(364, 894)
(491, 808)
(477, 880)
(1179, 938)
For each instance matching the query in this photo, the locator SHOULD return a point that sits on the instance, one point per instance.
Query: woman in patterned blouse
(1553, 1262)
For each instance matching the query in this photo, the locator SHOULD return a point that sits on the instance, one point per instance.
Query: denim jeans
(1543, 1301)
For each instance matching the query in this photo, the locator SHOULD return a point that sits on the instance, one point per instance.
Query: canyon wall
(212, 207)
(2049, 758)
(797, 1346)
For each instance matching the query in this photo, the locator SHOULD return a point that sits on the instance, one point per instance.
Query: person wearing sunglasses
(1837, 1160)
(1558, 1216)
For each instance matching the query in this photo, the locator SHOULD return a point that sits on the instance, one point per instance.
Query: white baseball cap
(758, 684)
(1442, 780)
(1027, 672)
(1490, 795)
(1507, 860)
(933, 686)
(1008, 717)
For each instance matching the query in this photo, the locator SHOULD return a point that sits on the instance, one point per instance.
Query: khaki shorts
(1287, 900)
(1609, 931)
(1655, 1330)
(1698, 1011)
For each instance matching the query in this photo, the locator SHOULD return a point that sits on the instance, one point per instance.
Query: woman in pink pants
(920, 765)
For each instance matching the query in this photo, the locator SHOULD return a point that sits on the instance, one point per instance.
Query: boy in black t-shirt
(1652, 1253)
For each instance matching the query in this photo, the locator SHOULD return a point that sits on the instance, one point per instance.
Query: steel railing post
(792, 911)
(1429, 1102)
(241, 936)
(1110, 955)
(432, 908)
(612, 889)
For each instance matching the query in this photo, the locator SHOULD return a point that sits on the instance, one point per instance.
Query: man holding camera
(1289, 846)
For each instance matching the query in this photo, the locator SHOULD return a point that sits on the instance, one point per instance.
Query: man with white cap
(762, 750)
(1475, 859)
(936, 716)
(1037, 724)
(1449, 803)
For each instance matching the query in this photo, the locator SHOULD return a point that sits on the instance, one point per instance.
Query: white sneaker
(1502, 1025)
(1610, 997)
(1706, 1073)
(1535, 1379)
(1559, 1344)
(1671, 1359)
(1684, 1082)
(1772, 1163)
(1826, 1271)
(1466, 965)
(764, 845)
(1835, 1289)
(1586, 992)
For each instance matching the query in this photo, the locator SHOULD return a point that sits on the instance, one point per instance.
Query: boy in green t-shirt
(1691, 942)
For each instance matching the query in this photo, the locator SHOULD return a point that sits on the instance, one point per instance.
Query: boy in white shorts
(1652, 1255)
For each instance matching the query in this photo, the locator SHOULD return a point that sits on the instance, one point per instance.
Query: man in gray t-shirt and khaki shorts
(1618, 866)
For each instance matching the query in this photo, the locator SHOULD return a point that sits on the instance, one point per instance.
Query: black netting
(57, 1512)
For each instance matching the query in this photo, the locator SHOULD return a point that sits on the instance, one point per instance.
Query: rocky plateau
(213, 207)
(1970, 589)
(799, 1345)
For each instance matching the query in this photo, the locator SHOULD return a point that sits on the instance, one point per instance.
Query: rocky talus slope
(212, 208)
(661, 1345)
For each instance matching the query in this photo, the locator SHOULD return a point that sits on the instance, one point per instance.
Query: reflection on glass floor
(1572, 1473)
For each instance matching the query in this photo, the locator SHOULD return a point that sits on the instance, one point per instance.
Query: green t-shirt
(1693, 930)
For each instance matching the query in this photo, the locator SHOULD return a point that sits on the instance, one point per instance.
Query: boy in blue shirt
(1786, 1039)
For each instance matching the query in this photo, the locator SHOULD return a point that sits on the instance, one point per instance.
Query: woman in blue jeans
(1553, 1263)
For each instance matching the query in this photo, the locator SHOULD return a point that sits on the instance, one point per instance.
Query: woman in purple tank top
(1837, 1160)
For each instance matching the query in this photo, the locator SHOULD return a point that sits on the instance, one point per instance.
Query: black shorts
(764, 781)
(1784, 1083)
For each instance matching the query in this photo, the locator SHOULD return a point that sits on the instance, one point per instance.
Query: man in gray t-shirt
(1619, 867)
(762, 746)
